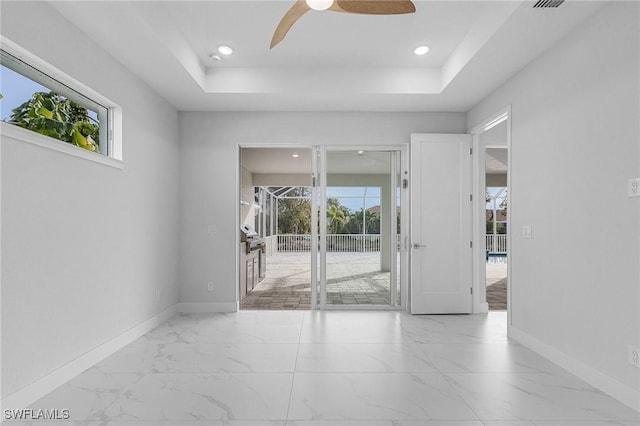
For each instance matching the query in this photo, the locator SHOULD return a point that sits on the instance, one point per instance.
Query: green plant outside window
(45, 111)
(54, 115)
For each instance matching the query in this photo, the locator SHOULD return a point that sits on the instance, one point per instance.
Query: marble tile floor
(331, 368)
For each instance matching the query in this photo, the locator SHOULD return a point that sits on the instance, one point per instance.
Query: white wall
(85, 246)
(575, 142)
(247, 212)
(209, 170)
(495, 136)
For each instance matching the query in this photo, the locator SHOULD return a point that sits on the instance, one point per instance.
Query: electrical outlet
(210, 286)
(526, 231)
(633, 187)
(634, 356)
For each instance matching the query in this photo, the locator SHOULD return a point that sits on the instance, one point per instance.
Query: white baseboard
(31, 393)
(608, 385)
(193, 308)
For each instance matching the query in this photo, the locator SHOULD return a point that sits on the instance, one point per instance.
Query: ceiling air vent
(547, 3)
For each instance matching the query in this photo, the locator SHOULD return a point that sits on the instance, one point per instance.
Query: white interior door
(441, 254)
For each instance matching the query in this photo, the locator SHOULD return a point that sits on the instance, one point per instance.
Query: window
(37, 97)
(496, 210)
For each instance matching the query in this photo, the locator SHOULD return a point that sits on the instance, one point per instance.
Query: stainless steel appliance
(252, 238)
(253, 260)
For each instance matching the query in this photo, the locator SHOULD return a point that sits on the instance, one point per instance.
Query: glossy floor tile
(175, 397)
(293, 368)
(541, 396)
(498, 357)
(146, 356)
(362, 357)
(373, 396)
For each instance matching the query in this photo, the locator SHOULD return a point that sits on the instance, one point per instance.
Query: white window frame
(74, 90)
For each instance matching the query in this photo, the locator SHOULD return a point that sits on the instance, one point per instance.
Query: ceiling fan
(364, 7)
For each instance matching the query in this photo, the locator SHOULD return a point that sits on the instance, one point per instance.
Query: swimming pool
(496, 257)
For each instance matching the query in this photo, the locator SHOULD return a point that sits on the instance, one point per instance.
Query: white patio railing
(353, 243)
(497, 243)
(292, 243)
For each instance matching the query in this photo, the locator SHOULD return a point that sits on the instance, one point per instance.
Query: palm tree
(337, 218)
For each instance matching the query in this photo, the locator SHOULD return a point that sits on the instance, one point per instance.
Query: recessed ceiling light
(215, 57)
(295, 155)
(421, 50)
(225, 50)
(361, 152)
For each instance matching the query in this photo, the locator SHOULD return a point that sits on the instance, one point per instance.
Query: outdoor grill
(252, 238)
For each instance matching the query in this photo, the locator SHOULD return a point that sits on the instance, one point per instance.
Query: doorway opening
(491, 256)
(328, 221)
(275, 203)
(496, 229)
(360, 224)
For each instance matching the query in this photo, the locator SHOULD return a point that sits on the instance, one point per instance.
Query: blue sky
(16, 89)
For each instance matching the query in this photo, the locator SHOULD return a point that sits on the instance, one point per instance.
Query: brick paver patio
(352, 279)
(497, 285)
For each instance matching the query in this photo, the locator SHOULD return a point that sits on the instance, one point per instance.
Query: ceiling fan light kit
(319, 4)
(362, 7)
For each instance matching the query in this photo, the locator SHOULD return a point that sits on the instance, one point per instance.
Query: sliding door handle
(417, 245)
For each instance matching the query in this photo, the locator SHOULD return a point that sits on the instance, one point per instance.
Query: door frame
(403, 249)
(238, 179)
(480, 304)
(403, 149)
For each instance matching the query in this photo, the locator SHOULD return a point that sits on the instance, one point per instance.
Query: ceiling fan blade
(299, 8)
(374, 7)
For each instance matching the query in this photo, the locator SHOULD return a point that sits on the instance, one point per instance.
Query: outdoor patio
(497, 284)
(352, 279)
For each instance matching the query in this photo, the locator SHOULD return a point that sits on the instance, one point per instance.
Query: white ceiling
(276, 160)
(329, 60)
(364, 41)
(496, 161)
(280, 161)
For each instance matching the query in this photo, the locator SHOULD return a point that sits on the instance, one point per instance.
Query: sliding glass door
(357, 223)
